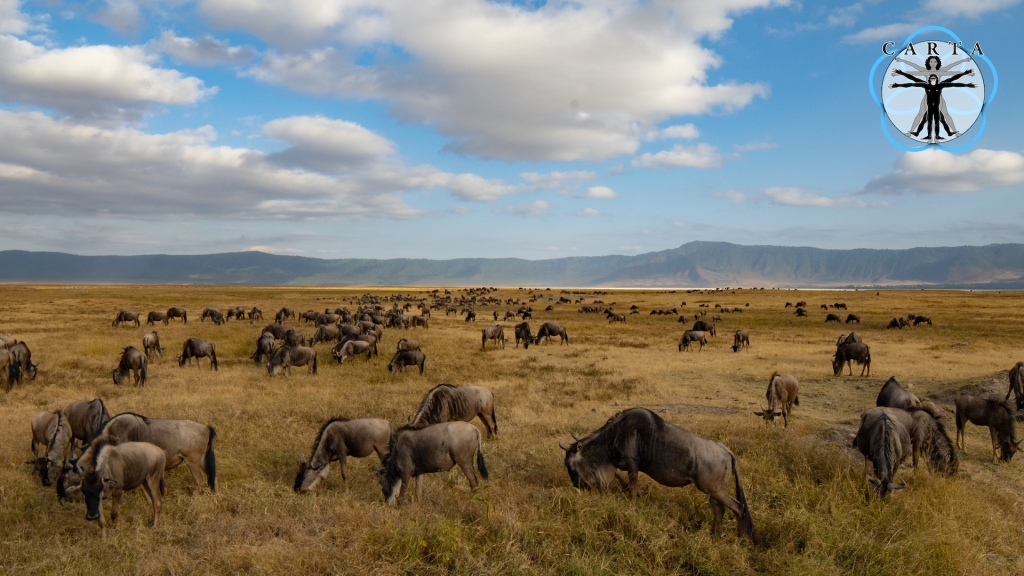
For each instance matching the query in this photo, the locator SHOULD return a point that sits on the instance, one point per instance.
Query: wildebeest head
(586, 468)
(69, 481)
(309, 477)
(389, 478)
(837, 365)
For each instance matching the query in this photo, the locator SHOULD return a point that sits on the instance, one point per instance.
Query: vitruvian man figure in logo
(933, 65)
(933, 100)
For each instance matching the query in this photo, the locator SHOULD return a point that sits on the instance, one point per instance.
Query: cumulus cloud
(700, 156)
(525, 209)
(600, 192)
(556, 180)
(938, 171)
(562, 81)
(755, 146)
(680, 131)
(586, 212)
(969, 9)
(797, 197)
(123, 16)
(205, 51)
(733, 196)
(926, 14)
(12, 21)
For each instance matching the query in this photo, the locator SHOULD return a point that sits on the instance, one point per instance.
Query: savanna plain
(805, 484)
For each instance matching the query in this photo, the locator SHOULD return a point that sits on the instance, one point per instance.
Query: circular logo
(933, 91)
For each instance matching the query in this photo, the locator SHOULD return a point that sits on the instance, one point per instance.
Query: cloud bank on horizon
(385, 128)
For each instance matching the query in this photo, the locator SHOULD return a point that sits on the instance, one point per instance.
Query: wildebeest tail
(142, 376)
(211, 461)
(13, 374)
(213, 354)
(746, 524)
(314, 364)
(163, 485)
(494, 419)
(796, 401)
(480, 464)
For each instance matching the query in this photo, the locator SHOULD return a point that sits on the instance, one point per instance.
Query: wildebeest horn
(900, 486)
(874, 481)
(375, 467)
(559, 445)
(574, 437)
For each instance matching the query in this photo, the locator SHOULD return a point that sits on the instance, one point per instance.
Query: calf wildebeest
(702, 326)
(126, 317)
(255, 314)
(22, 356)
(549, 329)
(922, 320)
(176, 312)
(422, 321)
(404, 358)
(109, 467)
(522, 332)
(326, 334)
(134, 361)
(265, 346)
(52, 431)
(154, 317)
(693, 336)
(352, 348)
(151, 342)
(892, 395)
(338, 439)
(833, 318)
(414, 452)
(616, 318)
(294, 338)
(782, 394)
(997, 414)
(470, 316)
(851, 352)
(740, 339)
(287, 356)
(495, 333)
(405, 344)
(852, 318)
(852, 337)
(196, 348)
(638, 440)
(447, 403)
(13, 369)
(885, 442)
(1017, 384)
(87, 419)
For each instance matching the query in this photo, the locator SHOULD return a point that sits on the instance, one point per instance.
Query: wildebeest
(196, 348)
(740, 339)
(352, 348)
(928, 436)
(420, 321)
(922, 320)
(7, 341)
(338, 439)
(997, 414)
(151, 342)
(283, 314)
(22, 356)
(265, 346)
(255, 314)
(702, 326)
(109, 467)
(126, 317)
(893, 395)
(154, 317)
(638, 440)
(788, 305)
(134, 361)
(885, 442)
(549, 329)
(832, 318)
(405, 344)
(176, 312)
(802, 313)
(287, 356)
(52, 431)
(276, 330)
(693, 336)
(1017, 384)
(495, 333)
(801, 304)
(522, 332)
(470, 316)
(852, 318)
(327, 319)
(326, 334)
(309, 316)
(368, 338)
(213, 314)
(895, 323)
(238, 312)
(404, 358)
(294, 338)
(447, 403)
(851, 352)
(616, 318)
(87, 419)
(782, 394)
(852, 337)
(414, 452)
(509, 315)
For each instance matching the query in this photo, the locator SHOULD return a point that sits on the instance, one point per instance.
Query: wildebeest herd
(89, 454)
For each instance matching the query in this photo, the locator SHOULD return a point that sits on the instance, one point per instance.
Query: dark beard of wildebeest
(997, 414)
(176, 312)
(447, 403)
(22, 356)
(352, 348)
(181, 440)
(134, 361)
(702, 326)
(154, 317)
(53, 432)
(523, 334)
(692, 336)
(849, 353)
(893, 395)
(126, 317)
(638, 440)
(151, 342)
(740, 339)
(495, 333)
(852, 338)
(549, 329)
(1017, 384)
(285, 357)
(885, 442)
(928, 436)
(265, 346)
(782, 394)
(338, 439)
(404, 358)
(87, 419)
(109, 467)
(196, 348)
(8, 363)
(413, 452)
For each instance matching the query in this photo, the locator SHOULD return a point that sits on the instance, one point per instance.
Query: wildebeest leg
(785, 416)
(849, 364)
(195, 468)
(995, 444)
(634, 489)
(344, 469)
(419, 488)
(115, 507)
(724, 499)
(717, 511)
(467, 469)
(487, 424)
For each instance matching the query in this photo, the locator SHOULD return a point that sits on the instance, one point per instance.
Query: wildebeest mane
(936, 443)
(107, 423)
(320, 434)
(97, 447)
(884, 450)
(441, 404)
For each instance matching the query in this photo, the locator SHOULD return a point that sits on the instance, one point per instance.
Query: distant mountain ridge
(694, 264)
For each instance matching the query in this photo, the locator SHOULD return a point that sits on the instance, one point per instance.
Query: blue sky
(440, 129)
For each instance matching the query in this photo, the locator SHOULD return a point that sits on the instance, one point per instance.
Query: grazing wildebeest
(892, 395)
(851, 352)
(10, 364)
(326, 319)
(470, 316)
(997, 414)
(151, 342)
(176, 312)
(885, 442)
(495, 333)
(196, 348)
(853, 318)
(824, 307)
(928, 436)
(154, 317)
(326, 334)
(283, 314)
(276, 330)
(213, 314)
(616, 318)
(109, 467)
(693, 336)
(404, 358)
(309, 316)
(370, 339)
(351, 330)
(414, 452)
(684, 318)
(788, 305)
(922, 320)
(87, 419)
(181, 441)
(522, 332)
(447, 403)
(740, 339)
(294, 338)
(338, 439)
(638, 440)
(238, 312)
(549, 329)
(265, 346)
(782, 394)
(52, 431)
(495, 315)
(255, 314)
(420, 321)
(800, 312)
(717, 317)
(801, 304)
(287, 356)
(702, 326)
(405, 344)
(509, 315)
(22, 356)
(126, 317)
(852, 337)
(895, 323)
(134, 361)
(1017, 384)
(352, 348)
(833, 318)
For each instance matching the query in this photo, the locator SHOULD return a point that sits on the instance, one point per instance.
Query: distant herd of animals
(89, 454)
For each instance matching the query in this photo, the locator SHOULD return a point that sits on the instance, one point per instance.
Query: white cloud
(681, 131)
(562, 81)
(272, 250)
(205, 51)
(755, 146)
(938, 171)
(969, 9)
(586, 212)
(600, 192)
(526, 209)
(797, 197)
(324, 144)
(473, 187)
(700, 156)
(733, 196)
(897, 32)
(556, 180)
(123, 16)
(925, 14)
(12, 21)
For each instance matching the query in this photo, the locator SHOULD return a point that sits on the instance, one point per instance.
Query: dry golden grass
(805, 485)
